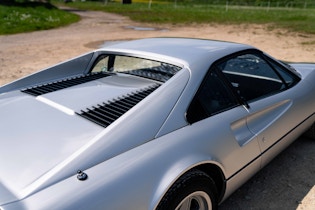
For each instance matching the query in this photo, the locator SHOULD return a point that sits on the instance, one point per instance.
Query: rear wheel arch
(193, 190)
(213, 171)
(217, 175)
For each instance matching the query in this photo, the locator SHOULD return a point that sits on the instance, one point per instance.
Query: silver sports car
(159, 123)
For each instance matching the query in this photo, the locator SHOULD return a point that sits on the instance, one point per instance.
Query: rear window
(151, 69)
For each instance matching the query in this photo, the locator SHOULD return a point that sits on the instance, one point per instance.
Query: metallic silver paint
(133, 162)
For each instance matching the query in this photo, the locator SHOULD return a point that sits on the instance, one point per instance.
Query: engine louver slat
(106, 113)
(62, 84)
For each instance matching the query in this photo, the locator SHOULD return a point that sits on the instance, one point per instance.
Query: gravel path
(286, 183)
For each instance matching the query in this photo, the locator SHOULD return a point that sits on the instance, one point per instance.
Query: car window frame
(240, 101)
(200, 88)
(114, 60)
(285, 67)
(268, 60)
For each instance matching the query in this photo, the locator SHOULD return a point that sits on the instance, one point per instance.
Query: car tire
(193, 190)
(310, 133)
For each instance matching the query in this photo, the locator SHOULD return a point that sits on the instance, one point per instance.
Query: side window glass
(212, 97)
(252, 76)
(101, 65)
(288, 78)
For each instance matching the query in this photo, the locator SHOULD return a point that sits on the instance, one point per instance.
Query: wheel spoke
(195, 190)
(185, 204)
(195, 201)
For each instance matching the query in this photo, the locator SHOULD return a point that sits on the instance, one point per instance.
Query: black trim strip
(106, 113)
(62, 84)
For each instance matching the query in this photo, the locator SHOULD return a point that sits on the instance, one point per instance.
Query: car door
(221, 120)
(262, 84)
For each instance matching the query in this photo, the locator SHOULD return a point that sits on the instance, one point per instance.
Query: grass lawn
(32, 16)
(295, 19)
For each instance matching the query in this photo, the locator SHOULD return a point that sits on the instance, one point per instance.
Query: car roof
(186, 50)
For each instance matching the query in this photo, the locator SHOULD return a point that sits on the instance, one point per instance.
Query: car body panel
(103, 144)
(61, 142)
(132, 162)
(68, 68)
(157, 175)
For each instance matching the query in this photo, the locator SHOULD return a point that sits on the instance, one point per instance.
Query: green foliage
(17, 17)
(24, 15)
(184, 12)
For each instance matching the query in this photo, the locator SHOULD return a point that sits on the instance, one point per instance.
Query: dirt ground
(286, 183)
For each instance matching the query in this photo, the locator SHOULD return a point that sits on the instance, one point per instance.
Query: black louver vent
(62, 84)
(106, 113)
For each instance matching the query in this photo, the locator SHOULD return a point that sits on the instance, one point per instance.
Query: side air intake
(62, 84)
(106, 113)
